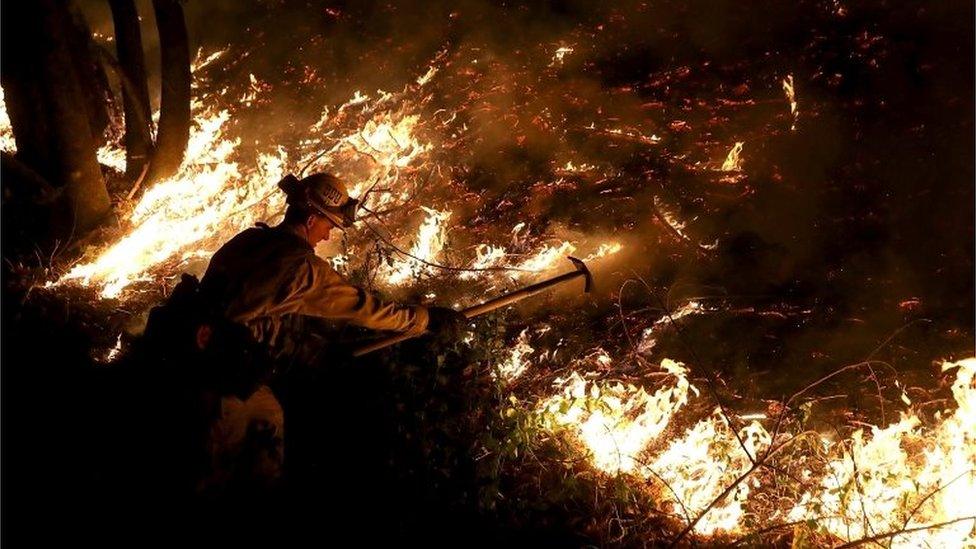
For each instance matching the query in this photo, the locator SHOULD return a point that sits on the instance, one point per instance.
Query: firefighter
(266, 279)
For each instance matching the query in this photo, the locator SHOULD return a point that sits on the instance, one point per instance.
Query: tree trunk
(91, 74)
(174, 103)
(135, 87)
(43, 96)
(22, 87)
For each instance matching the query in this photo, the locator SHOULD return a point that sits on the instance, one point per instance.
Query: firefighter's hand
(445, 323)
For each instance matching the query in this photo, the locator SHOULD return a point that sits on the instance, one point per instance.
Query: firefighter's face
(318, 229)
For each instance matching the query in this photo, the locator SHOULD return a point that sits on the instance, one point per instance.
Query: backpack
(189, 337)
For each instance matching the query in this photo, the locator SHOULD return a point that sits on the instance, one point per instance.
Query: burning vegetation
(744, 374)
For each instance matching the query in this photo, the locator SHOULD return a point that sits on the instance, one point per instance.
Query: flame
(905, 476)
(790, 91)
(732, 162)
(546, 258)
(427, 76)
(200, 62)
(426, 247)
(114, 352)
(487, 256)
(212, 197)
(111, 156)
(574, 168)
(614, 421)
(7, 142)
(699, 466)
(617, 425)
(371, 156)
(190, 213)
(559, 56)
(516, 360)
(605, 249)
(648, 339)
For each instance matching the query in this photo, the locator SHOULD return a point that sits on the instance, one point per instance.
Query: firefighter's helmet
(323, 194)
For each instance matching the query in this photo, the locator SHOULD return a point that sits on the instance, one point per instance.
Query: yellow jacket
(264, 275)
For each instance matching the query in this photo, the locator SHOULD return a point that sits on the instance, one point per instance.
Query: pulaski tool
(497, 303)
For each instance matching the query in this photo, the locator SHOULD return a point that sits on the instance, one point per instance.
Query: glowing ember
(905, 476)
(616, 422)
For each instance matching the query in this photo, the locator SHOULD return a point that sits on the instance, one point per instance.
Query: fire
(426, 247)
(213, 197)
(547, 257)
(790, 91)
(372, 155)
(569, 167)
(114, 352)
(7, 142)
(189, 214)
(200, 62)
(614, 421)
(605, 249)
(733, 163)
(648, 340)
(699, 466)
(516, 361)
(560, 55)
(112, 156)
(904, 476)
(487, 256)
(617, 425)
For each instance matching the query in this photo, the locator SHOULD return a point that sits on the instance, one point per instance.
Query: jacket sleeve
(320, 291)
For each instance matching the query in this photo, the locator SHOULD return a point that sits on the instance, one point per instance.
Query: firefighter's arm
(323, 293)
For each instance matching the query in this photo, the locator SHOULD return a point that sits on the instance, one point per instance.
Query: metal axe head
(581, 267)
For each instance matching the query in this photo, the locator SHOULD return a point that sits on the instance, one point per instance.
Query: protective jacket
(265, 276)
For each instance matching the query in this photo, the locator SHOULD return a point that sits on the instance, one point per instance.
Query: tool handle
(481, 309)
(518, 295)
(382, 343)
(470, 312)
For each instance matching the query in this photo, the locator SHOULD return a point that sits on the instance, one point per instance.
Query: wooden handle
(483, 308)
(381, 343)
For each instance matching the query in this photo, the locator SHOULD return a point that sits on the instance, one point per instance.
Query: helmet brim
(333, 218)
